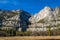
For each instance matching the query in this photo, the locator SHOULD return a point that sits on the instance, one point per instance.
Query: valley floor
(31, 38)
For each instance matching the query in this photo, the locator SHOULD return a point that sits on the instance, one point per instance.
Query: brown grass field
(31, 38)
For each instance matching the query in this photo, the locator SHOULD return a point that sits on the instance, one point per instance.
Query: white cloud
(9, 2)
(4, 2)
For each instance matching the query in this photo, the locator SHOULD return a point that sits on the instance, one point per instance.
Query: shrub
(10, 32)
(2, 33)
(26, 33)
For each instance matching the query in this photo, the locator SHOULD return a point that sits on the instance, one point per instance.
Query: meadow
(31, 38)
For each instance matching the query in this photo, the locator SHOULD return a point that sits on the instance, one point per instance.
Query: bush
(26, 33)
(9, 32)
(2, 33)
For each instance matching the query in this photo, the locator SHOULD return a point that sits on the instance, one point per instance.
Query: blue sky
(31, 6)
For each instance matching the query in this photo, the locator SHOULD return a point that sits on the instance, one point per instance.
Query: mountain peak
(46, 7)
(46, 12)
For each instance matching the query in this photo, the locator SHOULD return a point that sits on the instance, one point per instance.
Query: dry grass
(31, 38)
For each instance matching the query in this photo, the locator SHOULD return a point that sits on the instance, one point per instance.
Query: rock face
(45, 13)
(47, 17)
(15, 18)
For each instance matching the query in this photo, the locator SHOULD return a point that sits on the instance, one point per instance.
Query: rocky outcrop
(45, 18)
(15, 19)
(45, 13)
